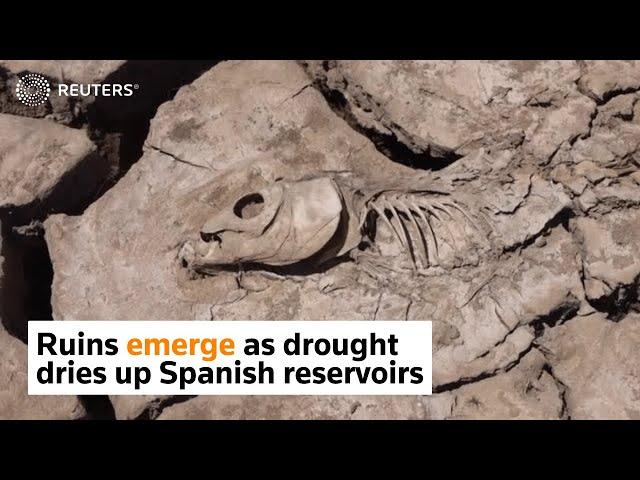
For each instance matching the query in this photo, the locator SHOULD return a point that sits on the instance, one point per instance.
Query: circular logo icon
(33, 89)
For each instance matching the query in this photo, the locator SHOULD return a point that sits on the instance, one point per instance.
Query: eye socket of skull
(250, 214)
(249, 206)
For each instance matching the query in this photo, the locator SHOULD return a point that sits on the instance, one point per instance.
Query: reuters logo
(33, 89)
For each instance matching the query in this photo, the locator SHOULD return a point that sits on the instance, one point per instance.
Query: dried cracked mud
(499, 199)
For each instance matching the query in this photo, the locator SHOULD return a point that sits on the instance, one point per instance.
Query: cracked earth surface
(536, 317)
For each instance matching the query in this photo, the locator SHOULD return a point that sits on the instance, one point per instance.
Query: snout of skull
(187, 254)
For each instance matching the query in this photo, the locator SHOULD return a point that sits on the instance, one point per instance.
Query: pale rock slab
(44, 164)
(610, 251)
(599, 168)
(599, 363)
(566, 123)
(524, 207)
(602, 78)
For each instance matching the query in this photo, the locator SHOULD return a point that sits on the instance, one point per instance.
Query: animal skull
(281, 224)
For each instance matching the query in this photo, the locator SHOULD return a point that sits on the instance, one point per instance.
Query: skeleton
(314, 220)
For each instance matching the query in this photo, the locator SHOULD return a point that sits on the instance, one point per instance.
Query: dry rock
(44, 165)
(599, 363)
(611, 252)
(603, 78)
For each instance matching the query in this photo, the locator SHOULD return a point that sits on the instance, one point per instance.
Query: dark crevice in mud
(38, 273)
(447, 387)
(27, 273)
(606, 96)
(391, 147)
(589, 132)
(627, 117)
(562, 218)
(388, 143)
(562, 388)
(540, 104)
(566, 311)
(12, 289)
(617, 305)
(615, 93)
(155, 408)
(97, 407)
(497, 344)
